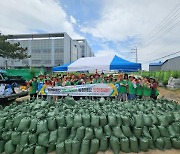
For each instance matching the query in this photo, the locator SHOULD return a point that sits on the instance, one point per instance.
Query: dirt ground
(169, 94)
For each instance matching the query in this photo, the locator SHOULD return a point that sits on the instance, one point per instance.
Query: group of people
(128, 86)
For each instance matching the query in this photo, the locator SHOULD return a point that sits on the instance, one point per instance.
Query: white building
(48, 50)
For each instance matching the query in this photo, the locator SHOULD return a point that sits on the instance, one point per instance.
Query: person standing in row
(33, 88)
(122, 93)
(139, 88)
(131, 88)
(147, 88)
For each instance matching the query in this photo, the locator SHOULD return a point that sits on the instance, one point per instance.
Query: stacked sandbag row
(89, 126)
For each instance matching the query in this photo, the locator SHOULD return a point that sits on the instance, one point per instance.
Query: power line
(163, 25)
(163, 57)
(164, 19)
(165, 32)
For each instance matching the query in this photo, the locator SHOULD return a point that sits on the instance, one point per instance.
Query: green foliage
(162, 76)
(11, 51)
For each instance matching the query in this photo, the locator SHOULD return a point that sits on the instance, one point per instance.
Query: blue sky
(110, 26)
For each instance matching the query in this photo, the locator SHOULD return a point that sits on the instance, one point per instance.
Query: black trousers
(33, 96)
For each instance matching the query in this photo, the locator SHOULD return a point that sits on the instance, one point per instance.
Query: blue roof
(156, 64)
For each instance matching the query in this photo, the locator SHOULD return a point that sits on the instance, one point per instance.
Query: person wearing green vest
(131, 88)
(147, 89)
(33, 88)
(139, 88)
(154, 92)
(96, 79)
(122, 90)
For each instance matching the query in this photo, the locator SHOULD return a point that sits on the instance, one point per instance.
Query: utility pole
(135, 51)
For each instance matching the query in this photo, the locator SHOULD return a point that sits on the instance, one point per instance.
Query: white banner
(83, 90)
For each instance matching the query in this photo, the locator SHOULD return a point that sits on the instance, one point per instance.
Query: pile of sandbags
(89, 126)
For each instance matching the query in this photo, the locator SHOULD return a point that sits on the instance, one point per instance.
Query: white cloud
(73, 20)
(122, 19)
(29, 16)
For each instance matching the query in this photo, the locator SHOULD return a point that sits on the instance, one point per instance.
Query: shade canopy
(99, 63)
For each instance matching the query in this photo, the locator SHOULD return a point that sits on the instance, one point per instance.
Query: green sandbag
(163, 131)
(24, 125)
(167, 143)
(124, 142)
(112, 121)
(107, 131)
(51, 124)
(33, 125)
(177, 116)
(115, 145)
(94, 147)
(176, 143)
(15, 137)
(19, 149)
(151, 143)
(2, 121)
(88, 133)
(176, 126)
(6, 135)
(60, 148)
(8, 124)
(134, 144)
(159, 143)
(98, 133)
(170, 117)
(2, 143)
(147, 120)
(86, 120)
(51, 147)
(62, 134)
(61, 121)
(76, 146)
(163, 120)
(95, 120)
(127, 131)
(103, 144)
(33, 138)
(126, 121)
(85, 146)
(68, 146)
(69, 120)
(137, 131)
(172, 131)
(80, 133)
(53, 136)
(42, 127)
(28, 150)
(143, 144)
(9, 147)
(154, 119)
(139, 121)
(43, 139)
(24, 138)
(78, 120)
(40, 150)
(17, 120)
(154, 132)
(103, 120)
(119, 120)
(146, 132)
(72, 133)
(118, 132)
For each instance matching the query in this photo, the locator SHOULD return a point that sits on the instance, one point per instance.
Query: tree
(11, 51)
